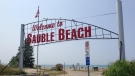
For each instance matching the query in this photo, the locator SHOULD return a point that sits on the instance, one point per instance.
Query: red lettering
(38, 38)
(53, 25)
(41, 27)
(45, 27)
(73, 34)
(37, 27)
(29, 38)
(61, 34)
(79, 33)
(59, 23)
(67, 34)
(87, 31)
(52, 35)
(43, 37)
(34, 28)
(49, 25)
(34, 39)
(47, 40)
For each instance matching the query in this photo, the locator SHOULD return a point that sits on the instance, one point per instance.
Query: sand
(71, 72)
(30, 71)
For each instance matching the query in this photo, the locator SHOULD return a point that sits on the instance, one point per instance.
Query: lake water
(84, 66)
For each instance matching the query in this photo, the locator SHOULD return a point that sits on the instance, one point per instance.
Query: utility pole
(21, 48)
(120, 29)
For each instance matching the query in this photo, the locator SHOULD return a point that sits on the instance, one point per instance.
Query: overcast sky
(13, 13)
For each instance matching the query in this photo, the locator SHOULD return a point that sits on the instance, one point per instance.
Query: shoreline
(81, 66)
(70, 72)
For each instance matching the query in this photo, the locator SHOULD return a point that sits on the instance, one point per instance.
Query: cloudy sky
(16, 12)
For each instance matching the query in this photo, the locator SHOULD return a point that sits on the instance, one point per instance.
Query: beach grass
(10, 71)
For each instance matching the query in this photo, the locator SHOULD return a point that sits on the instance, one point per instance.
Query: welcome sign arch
(49, 31)
(59, 30)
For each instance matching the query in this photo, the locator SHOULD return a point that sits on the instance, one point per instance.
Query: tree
(28, 59)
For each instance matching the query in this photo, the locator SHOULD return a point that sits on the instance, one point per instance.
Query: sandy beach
(71, 72)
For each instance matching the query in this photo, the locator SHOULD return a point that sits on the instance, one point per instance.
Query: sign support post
(87, 50)
(21, 48)
(88, 62)
(120, 29)
(88, 71)
(64, 68)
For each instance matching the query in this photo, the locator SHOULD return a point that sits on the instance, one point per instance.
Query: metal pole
(64, 68)
(120, 29)
(21, 48)
(37, 59)
(37, 42)
(88, 71)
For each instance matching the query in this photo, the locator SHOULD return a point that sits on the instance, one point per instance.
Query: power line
(97, 15)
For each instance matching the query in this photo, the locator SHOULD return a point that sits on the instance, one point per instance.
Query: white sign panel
(87, 49)
(87, 55)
